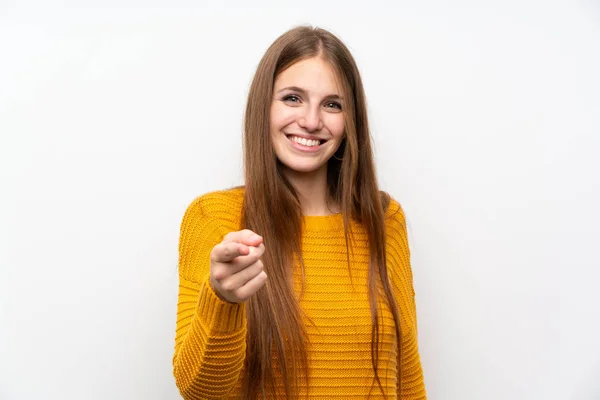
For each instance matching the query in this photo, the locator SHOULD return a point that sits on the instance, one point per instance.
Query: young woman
(299, 284)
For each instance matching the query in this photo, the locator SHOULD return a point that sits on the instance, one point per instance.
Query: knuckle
(249, 233)
(263, 278)
(227, 285)
(226, 252)
(241, 294)
(228, 236)
(218, 273)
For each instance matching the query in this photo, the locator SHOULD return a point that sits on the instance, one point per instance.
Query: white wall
(486, 126)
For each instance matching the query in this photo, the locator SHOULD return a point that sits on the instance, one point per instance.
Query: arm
(413, 386)
(210, 343)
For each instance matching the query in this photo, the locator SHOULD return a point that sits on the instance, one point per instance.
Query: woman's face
(307, 116)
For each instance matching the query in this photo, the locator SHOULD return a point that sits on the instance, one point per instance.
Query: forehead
(313, 74)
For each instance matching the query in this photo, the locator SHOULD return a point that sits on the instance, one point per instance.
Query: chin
(302, 167)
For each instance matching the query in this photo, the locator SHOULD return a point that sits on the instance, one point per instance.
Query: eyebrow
(300, 90)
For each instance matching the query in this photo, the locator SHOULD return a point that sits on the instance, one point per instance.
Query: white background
(114, 116)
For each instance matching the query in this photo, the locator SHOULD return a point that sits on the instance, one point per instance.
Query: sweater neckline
(330, 222)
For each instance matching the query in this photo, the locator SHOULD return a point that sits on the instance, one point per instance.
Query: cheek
(281, 116)
(335, 124)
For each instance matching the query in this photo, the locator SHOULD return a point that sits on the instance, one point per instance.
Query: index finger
(228, 251)
(245, 236)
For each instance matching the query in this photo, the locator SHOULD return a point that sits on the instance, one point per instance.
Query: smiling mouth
(306, 142)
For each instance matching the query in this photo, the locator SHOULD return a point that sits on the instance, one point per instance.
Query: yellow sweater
(210, 339)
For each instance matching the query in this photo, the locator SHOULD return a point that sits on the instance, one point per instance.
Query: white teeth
(305, 142)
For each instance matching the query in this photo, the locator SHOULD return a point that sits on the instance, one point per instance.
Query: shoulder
(214, 203)
(222, 205)
(395, 226)
(398, 249)
(393, 212)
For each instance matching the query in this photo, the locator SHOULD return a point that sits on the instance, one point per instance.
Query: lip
(302, 148)
(305, 136)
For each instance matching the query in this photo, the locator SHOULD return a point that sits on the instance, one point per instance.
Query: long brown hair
(272, 209)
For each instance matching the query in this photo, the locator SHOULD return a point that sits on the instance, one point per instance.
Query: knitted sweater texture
(210, 342)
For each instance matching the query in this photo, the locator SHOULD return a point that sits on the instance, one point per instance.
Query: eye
(292, 97)
(333, 104)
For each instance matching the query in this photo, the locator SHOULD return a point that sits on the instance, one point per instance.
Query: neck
(312, 191)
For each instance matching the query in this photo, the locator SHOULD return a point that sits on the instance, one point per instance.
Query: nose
(311, 120)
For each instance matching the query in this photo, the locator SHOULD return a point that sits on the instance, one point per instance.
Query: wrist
(216, 292)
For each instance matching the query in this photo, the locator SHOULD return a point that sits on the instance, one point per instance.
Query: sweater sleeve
(411, 372)
(210, 340)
